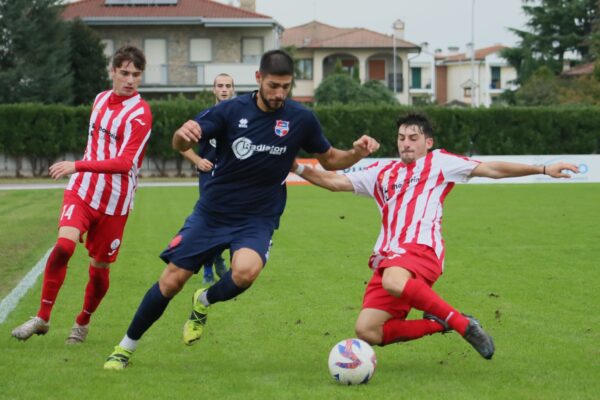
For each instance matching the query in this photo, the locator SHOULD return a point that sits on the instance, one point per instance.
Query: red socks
(94, 293)
(399, 330)
(54, 275)
(422, 297)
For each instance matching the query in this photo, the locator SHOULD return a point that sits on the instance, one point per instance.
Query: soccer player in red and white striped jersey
(408, 256)
(99, 194)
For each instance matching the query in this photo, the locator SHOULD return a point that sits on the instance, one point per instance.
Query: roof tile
(184, 8)
(318, 35)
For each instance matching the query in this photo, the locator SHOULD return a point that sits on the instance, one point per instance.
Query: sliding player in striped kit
(100, 192)
(408, 256)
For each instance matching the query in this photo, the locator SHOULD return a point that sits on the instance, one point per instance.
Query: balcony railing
(495, 84)
(423, 88)
(194, 75)
(243, 74)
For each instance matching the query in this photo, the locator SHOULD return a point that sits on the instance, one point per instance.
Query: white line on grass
(10, 302)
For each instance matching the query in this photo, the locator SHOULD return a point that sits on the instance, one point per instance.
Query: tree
(34, 52)
(377, 92)
(556, 27)
(338, 88)
(541, 89)
(342, 88)
(594, 54)
(88, 63)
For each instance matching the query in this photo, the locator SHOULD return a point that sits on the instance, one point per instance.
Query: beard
(271, 105)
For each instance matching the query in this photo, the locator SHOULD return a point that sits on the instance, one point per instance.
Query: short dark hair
(417, 119)
(276, 62)
(129, 53)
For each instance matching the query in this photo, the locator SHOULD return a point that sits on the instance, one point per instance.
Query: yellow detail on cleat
(194, 326)
(118, 359)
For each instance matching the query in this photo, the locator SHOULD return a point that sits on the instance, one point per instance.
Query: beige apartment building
(188, 42)
(473, 79)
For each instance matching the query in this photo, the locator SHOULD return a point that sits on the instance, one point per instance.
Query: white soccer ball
(352, 362)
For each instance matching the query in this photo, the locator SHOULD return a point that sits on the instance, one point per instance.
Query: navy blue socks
(225, 289)
(150, 309)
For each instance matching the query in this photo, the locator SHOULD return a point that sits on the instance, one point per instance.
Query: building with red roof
(477, 79)
(186, 42)
(320, 46)
(421, 76)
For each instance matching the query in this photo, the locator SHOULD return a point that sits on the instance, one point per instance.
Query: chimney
(248, 5)
(453, 49)
(425, 47)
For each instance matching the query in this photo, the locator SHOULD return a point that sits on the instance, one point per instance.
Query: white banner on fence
(589, 167)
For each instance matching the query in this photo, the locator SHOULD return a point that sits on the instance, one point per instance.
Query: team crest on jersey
(282, 127)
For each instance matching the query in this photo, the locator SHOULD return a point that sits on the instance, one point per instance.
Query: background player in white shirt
(100, 193)
(409, 253)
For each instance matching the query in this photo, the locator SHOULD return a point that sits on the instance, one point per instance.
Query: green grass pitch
(522, 258)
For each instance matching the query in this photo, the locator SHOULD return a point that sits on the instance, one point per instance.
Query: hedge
(43, 133)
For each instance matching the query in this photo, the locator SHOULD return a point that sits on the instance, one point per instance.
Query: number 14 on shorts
(67, 211)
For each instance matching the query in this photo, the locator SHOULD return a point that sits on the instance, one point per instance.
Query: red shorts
(419, 259)
(104, 232)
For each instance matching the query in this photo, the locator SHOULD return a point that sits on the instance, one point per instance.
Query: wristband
(299, 169)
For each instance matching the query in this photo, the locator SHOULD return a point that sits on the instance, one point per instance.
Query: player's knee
(170, 287)
(173, 280)
(246, 275)
(392, 286)
(368, 333)
(63, 250)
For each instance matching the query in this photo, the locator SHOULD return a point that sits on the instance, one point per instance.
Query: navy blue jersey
(207, 149)
(255, 151)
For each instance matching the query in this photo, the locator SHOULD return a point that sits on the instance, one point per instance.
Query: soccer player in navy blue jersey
(258, 137)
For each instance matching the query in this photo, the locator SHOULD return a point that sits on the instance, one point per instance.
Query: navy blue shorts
(202, 238)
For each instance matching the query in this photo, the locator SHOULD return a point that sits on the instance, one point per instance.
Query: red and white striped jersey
(410, 198)
(119, 130)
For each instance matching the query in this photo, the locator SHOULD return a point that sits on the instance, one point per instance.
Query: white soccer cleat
(78, 334)
(35, 325)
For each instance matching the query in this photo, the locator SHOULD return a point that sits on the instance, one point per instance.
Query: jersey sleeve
(315, 141)
(456, 168)
(211, 121)
(364, 181)
(140, 125)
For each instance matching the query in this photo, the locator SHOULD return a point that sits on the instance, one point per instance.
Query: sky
(441, 23)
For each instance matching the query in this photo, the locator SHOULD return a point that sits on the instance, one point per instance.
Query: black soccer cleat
(479, 339)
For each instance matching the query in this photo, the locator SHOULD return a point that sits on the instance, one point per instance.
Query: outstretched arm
(334, 159)
(502, 169)
(325, 179)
